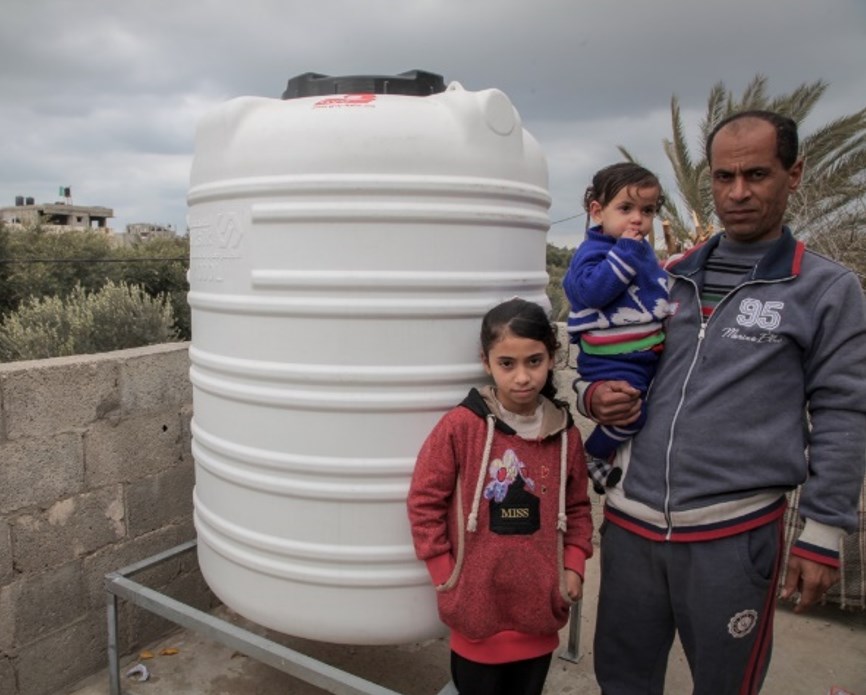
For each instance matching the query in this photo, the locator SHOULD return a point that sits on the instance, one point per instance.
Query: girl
(500, 514)
(618, 296)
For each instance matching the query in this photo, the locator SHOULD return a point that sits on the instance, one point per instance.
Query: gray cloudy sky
(104, 95)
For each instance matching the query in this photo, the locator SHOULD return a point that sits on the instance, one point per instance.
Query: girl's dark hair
(525, 320)
(612, 179)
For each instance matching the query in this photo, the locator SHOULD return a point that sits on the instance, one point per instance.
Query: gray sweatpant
(719, 595)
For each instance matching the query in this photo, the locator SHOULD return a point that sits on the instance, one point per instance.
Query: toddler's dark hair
(612, 179)
(523, 319)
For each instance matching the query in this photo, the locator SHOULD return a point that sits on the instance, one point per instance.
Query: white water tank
(344, 248)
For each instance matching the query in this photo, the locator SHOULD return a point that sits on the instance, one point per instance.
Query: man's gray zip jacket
(727, 433)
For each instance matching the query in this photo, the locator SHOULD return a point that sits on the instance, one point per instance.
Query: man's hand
(615, 403)
(808, 578)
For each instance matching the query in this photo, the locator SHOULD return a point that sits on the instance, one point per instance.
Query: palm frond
(708, 208)
(716, 111)
(681, 230)
(754, 95)
(680, 146)
(799, 103)
(824, 144)
(627, 155)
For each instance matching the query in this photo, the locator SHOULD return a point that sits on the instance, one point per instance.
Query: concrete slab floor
(823, 648)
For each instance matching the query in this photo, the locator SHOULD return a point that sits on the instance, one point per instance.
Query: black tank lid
(411, 83)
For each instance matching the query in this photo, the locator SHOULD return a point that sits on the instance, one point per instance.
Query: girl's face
(519, 367)
(633, 209)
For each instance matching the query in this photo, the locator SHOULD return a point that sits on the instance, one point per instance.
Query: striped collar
(782, 260)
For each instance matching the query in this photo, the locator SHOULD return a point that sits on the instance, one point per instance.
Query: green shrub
(57, 278)
(115, 317)
(154, 266)
(558, 260)
(35, 263)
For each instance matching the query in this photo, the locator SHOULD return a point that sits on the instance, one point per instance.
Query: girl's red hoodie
(498, 518)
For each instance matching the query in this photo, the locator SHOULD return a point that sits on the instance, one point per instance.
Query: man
(761, 387)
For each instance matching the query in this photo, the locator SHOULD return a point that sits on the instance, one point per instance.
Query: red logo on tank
(345, 100)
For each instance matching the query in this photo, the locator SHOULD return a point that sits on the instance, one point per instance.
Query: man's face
(750, 185)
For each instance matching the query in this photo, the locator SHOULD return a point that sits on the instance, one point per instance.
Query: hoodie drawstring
(472, 524)
(561, 524)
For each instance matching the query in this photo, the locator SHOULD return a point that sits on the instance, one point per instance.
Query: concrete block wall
(95, 474)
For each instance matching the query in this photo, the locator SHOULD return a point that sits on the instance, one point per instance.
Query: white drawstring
(472, 523)
(561, 524)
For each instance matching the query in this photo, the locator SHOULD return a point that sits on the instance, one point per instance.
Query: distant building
(59, 216)
(145, 231)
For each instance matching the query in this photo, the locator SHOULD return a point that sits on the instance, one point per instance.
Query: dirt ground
(813, 652)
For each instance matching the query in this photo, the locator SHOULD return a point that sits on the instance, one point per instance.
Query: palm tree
(829, 207)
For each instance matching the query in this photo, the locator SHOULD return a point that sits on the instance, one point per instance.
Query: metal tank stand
(118, 585)
(572, 651)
